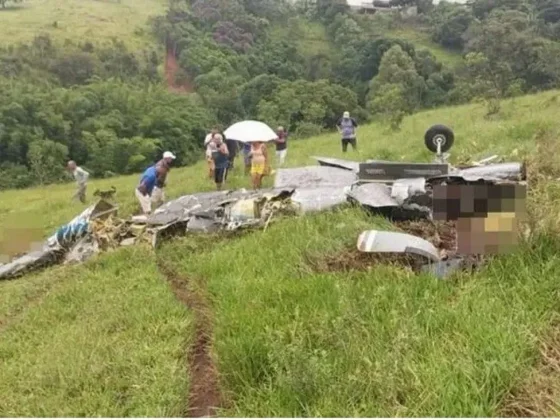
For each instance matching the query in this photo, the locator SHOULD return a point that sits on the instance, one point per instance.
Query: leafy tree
(397, 84)
(46, 160)
(449, 23)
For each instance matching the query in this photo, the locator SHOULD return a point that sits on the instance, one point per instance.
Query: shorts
(346, 142)
(158, 197)
(258, 169)
(145, 201)
(281, 155)
(220, 175)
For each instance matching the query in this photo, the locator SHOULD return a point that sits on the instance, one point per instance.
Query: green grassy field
(108, 338)
(84, 20)
(421, 40)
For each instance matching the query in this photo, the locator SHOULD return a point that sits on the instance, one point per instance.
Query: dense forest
(113, 111)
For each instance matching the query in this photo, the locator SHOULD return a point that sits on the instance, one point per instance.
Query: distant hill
(79, 20)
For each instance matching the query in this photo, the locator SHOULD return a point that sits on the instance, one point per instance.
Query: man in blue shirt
(152, 180)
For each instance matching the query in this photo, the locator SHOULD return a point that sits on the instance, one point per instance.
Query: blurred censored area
(487, 216)
(21, 234)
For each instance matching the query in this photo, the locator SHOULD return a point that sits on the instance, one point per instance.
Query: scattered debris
(400, 191)
(395, 242)
(349, 165)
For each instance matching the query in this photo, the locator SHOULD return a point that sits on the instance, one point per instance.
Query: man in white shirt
(210, 149)
(81, 176)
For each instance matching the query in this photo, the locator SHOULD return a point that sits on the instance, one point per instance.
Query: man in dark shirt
(232, 146)
(281, 145)
(220, 155)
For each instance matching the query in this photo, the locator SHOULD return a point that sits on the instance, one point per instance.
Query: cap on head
(169, 155)
(346, 114)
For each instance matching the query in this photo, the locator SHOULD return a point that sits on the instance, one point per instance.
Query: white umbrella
(250, 132)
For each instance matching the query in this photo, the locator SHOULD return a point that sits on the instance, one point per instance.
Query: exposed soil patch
(204, 394)
(539, 394)
(442, 235)
(172, 70)
(354, 260)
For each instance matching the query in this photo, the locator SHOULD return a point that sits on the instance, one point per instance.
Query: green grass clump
(104, 339)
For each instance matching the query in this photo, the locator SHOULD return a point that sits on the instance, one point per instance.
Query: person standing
(162, 169)
(145, 188)
(347, 127)
(220, 156)
(247, 157)
(232, 146)
(208, 144)
(81, 176)
(259, 163)
(281, 145)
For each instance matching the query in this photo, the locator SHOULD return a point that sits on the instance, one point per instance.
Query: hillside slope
(80, 20)
(107, 338)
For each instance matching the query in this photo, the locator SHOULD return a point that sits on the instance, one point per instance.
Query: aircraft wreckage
(397, 190)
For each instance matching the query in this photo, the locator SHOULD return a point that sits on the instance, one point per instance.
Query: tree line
(109, 109)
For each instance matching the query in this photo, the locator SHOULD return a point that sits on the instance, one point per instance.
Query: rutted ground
(108, 340)
(204, 394)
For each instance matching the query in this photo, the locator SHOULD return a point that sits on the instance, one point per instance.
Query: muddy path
(204, 396)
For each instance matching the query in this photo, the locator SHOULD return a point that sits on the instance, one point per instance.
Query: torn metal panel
(203, 224)
(313, 177)
(338, 163)
(390, 171)
(513, 171)
(318, 199)
(402, 189)
(57, 246)
(373, 195)
(373, 241)
(30, 262)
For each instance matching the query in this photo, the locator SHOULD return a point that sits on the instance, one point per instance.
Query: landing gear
(439, 139)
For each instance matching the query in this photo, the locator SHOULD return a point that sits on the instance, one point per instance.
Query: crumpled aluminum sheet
(204, 205)
(52, 251)
(314, 177)
(349, 165)
(375, 195)
(30, 262)
(509, 171)
(396, 242)
(320, 198)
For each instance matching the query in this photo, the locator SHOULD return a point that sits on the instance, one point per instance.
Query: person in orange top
(259, 163)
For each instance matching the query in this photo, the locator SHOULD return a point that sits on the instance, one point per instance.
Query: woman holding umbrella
(255, 135)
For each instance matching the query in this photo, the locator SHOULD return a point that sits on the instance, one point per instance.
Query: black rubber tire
(439, 132)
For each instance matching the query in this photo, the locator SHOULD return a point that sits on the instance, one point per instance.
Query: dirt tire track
(204, 396)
